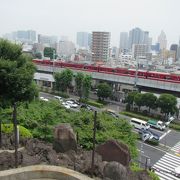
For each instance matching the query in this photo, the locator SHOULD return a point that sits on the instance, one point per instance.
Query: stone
(64, 138)
(114, 151)
(7, 160)
(115, 171)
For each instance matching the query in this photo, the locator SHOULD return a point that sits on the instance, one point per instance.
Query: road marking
(165, 134)
(153, 147)
(164, 168)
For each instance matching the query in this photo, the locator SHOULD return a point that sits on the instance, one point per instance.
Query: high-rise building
(178, 51)
(162, 40)
(123, 45)
(100, 46)
(22, 36)
(136, 36)
(139, 50)
(47, 40)
(174, 47)
(83, 39)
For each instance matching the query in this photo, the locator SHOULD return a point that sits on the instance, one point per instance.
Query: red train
(160, 76)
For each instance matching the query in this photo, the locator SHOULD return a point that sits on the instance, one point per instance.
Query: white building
(139, 50)
(162, 40)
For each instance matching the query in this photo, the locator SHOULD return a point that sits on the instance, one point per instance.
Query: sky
(67, 17)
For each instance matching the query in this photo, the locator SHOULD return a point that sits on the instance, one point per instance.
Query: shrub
(175, 126)
(8, 129)
(62, 94)
(92, 103)
(153, 175)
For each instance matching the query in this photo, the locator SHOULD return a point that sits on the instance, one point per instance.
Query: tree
(138, 99)
(86, 86)
(63, 80)
(79, 83)
(167, 103)
(38, 55)
(17, 73)
(130, 99)
(49, 52)
(104, 91)
(150, 100)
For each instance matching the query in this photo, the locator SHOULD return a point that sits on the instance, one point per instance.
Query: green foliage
(138, 99)
(86, 86)
(79, 83)
(92, 103)
(130, 98)
(174, 126)
(9, 128)
(150, 100)
(41, 117)
(153, 175)
(38, 55)
(167, 103)
(49, 52)
(63, 80)
(61, 94)
(104, 91)
(135, 115)
(17, 73)
(135, 167)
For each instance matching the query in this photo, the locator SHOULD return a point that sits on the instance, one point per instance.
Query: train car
(106, 69)
(91, 68)
(158, 75)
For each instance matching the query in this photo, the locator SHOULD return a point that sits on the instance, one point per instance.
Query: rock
(114, 151)
(7, 160)
(115, 171)
(64, 138)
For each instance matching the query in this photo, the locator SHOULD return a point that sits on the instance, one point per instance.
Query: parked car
(71, 104)
(43, 99)
(85, 106)
(170, 119)
(74, 101)
(67, 106)
(112, 113)
(59, 98)
(149, 133)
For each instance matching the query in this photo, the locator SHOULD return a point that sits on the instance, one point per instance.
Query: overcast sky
(66, 17)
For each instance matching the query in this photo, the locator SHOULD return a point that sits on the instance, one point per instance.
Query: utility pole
(15, 135)
(94, 141)
(136, 74)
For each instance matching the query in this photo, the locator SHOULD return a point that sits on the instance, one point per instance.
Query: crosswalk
(176, 148)
(165, 167)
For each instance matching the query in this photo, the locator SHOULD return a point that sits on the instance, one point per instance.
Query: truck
(156, 124)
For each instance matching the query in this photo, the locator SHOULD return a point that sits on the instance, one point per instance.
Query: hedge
(8, 129)
(92, 103)
(174, 126)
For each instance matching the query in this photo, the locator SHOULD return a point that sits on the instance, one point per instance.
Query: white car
(177, 171)
(72, 104)
(43, 99)
(67, 106)
(59, 98)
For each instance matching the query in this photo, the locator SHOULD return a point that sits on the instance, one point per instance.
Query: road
(168, 137)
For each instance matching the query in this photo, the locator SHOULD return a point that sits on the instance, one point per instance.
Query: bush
(135, 115)
(9, 128)
(153, 142)
(62, 94)
(153, 175)
(175, 126)
(92, 103)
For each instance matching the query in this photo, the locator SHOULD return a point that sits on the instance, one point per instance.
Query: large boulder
(114, 151)
(115, 171)
(64, 138)
(7, 160)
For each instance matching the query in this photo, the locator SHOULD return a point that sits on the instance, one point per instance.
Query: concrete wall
(42, 172)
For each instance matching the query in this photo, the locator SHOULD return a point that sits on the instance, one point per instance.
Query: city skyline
(67, 17)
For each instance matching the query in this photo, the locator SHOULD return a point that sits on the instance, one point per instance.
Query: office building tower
(174, 47)
(100, 46)
(123, 45)
(139, 50)
(178, 51)
(155, 47)
(162, 40)
(47, 40)
(136, 36)
(82, 39)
